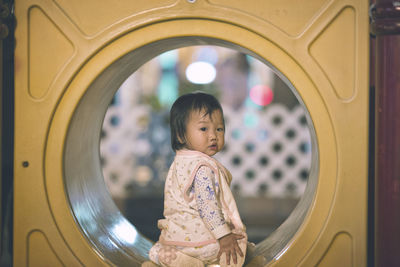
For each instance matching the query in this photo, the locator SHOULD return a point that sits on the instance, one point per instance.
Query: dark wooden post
(385, 15)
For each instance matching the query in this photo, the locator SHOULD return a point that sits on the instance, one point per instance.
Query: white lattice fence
(267, 151)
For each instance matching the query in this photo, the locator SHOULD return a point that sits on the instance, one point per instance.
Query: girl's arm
(204, 187)
(209, 208)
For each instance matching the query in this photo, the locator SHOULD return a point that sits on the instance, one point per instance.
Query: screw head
(3, 31)
(4, 11)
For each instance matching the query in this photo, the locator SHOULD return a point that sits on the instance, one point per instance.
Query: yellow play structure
(71, 56)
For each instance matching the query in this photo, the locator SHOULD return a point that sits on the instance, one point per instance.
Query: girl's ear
(181, 140)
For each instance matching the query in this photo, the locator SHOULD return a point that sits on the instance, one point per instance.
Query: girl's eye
(220, 129)
(203, 129)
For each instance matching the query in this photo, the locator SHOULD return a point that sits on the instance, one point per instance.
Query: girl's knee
(171, 257)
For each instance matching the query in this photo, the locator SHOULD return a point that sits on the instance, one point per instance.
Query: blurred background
(268, 146)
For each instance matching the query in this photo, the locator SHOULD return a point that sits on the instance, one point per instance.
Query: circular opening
(117, 239)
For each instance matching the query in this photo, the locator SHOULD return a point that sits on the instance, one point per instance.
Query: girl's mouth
(213, 147)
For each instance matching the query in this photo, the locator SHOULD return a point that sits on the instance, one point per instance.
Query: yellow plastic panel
(291, 16)
(40, 251)
(49, 50)
(95, 46)
(94, 16)
(339, 252)
(334, 50)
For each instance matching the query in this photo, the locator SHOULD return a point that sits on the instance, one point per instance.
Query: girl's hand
(228, 244)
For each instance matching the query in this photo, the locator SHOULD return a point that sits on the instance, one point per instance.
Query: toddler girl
(202, 224)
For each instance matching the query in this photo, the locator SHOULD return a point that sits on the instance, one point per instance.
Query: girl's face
(205, 133)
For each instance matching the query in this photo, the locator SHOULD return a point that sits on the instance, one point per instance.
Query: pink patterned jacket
(183, 225)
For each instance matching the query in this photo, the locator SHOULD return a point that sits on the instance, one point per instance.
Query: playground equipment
(71, 57)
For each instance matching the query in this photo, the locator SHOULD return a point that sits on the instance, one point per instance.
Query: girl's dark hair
(180, 112)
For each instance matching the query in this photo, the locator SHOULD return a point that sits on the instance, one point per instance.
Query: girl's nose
(213, 135)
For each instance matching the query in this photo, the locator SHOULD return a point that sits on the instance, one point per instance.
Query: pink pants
(171, 256)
